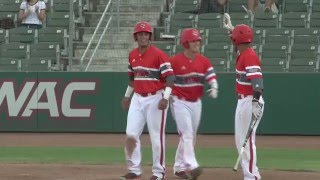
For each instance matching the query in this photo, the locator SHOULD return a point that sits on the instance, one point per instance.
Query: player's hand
(257, 109)
(213, 93)
(163, 104)
(125, 103)
(227, 24)
(171, 100)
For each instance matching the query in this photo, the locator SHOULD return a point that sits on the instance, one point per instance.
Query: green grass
(281, 159)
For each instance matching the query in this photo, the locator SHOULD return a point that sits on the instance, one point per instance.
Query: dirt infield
(112, 172)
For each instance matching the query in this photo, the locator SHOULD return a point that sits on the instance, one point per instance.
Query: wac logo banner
(55, 97)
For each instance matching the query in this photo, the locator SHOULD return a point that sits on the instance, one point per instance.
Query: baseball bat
(251, 127)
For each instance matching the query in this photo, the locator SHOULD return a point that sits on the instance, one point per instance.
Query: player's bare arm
(163, 104)
(126, 99)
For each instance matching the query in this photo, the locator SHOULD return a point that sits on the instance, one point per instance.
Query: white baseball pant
(242, 122)
(145, 110)
(187, 116)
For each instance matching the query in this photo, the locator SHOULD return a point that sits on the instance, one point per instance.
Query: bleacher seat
(36, 64)
(187, 6)
(276, 35)
(13, 50)
(257, 37)
(265, 20)
(219, 55)
(61, 5)
(10, 64)
(295, 5)
(2, 36)
(314, 20)
(303, 58)
(218, 35)
(236, 6)
(240, 18)
(273, 57)
(209, 20)
(315, 6)
(45, 50)
(306, 36)
(180, 20)
(10, 6)
(166, 47)
(22, 34)
(293, 20)
(58, 19)
(52, 34)
(177, 49)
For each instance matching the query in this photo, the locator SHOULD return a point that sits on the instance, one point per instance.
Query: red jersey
(149, 69)
(247, 67)
(191, 75)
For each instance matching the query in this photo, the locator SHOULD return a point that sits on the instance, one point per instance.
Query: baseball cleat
(182, 175)
(130, 176)
(195, 173)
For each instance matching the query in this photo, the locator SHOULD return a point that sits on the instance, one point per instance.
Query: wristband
(167, 93)
(128, 91)
(214, 84)
(256, 96)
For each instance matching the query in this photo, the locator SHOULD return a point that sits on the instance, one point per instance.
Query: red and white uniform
(149, 71)
(186, 106)
(247, 68)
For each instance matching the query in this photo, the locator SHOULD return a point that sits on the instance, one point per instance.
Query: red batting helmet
(142, 26)
(242, 34)
(189, 35)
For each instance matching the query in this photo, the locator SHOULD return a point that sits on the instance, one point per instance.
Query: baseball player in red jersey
(249, 86)
(151, 80)
(191, 71)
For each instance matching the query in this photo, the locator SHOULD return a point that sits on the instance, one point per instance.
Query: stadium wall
(91, 102)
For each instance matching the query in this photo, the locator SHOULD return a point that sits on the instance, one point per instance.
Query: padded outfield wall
(91, 102)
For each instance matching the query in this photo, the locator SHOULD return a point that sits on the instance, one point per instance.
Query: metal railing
(109, 6)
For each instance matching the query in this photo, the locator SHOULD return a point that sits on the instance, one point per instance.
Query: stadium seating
(293, 20)
(187, 6)
(13, 50)
(314, 20)
(167, 47)
(218, 35)
(273, 57)
(266, 20)
(58, 19)
(295, 5)
(219, 54)
(36, 64)
(275, 35)
(209, 20)
(22, 34)
(304, 58)
(306, 36)
(240, 18)
(180, 20)
(236, 6)
(10, 64)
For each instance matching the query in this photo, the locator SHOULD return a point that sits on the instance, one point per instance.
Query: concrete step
(90, 30)
(103, 53)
